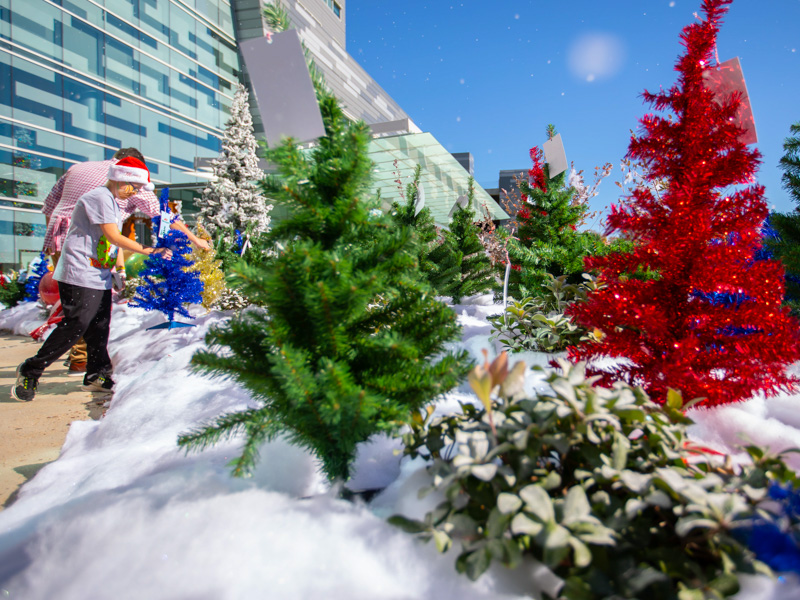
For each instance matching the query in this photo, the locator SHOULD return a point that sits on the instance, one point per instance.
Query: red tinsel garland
(536, 178)
(690, 309)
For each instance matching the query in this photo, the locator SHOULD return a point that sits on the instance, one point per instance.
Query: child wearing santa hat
(84, 280)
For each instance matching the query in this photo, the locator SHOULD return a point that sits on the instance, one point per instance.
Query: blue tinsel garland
(721, 298)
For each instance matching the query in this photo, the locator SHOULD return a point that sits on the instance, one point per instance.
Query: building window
(11, 188)
(334, 6)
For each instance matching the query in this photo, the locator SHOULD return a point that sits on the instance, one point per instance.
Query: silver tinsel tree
(234, 199)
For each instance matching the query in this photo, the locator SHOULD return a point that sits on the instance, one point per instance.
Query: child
(84, 280)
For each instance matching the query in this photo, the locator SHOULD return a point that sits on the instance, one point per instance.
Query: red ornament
(48, 289)
(709, 321)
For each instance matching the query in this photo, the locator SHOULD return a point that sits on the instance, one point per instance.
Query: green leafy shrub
(600, 485)
(539, 323)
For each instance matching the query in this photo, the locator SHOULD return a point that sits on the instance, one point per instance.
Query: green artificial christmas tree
(476, 274)
(790, 163)
(11, 290)
(439, 261)
(784, 239)
(345, 346)
(547, 239)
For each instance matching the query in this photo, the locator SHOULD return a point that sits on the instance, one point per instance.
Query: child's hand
(165, 253)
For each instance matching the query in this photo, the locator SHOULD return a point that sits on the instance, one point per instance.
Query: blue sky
(487, 77)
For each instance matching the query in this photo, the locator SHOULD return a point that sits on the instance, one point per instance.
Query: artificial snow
(123, 513)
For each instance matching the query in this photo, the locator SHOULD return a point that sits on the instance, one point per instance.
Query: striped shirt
(78, 180)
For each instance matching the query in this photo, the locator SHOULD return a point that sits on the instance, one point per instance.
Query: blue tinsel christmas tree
(32, 282)
(168, 285)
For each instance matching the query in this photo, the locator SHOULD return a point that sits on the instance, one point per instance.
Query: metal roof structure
(443, 178)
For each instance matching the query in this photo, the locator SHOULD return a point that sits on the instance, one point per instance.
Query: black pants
(87, 313)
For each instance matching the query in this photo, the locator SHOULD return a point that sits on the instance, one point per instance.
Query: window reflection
(84, 82)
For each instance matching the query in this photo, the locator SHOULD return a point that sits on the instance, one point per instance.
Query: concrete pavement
(32, 433)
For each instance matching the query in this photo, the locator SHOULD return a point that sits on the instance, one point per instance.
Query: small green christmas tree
(11, 290)
(547, 239)
(784, 243)
(439, 261)
(476, 274)
(344, 348)
(790, 163)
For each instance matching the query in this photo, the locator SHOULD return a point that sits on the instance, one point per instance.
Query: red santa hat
(131, 170)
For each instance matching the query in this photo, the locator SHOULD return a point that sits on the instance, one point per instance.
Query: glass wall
(443, 178)
(81, 78)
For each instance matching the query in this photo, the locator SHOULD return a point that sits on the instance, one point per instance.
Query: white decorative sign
(420, 203)
(555, 156)
(282, 86)
(461, 202)
(725, 80)
(164, 223)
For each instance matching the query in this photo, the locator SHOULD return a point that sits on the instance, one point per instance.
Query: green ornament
(134, 264)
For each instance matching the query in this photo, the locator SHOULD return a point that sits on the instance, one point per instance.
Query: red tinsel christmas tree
(710, 322)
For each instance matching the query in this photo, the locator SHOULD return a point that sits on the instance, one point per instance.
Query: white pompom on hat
(131, 170)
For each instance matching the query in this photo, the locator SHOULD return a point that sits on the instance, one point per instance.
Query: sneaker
(76, 368)
(24, 389)
(98, 383)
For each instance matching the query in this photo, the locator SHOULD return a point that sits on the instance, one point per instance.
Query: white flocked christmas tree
(234, 198)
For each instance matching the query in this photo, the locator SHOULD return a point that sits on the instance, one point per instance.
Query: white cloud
(595, 56)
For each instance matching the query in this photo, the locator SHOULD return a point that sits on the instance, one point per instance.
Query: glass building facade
(81, 78)
(442, 177)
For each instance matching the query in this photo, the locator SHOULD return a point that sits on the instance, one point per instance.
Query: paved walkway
(32, 433)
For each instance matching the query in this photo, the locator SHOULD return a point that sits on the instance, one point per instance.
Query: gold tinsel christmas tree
(207, 265)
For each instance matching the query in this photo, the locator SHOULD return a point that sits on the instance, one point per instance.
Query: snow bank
(22, 318)
(124, 514)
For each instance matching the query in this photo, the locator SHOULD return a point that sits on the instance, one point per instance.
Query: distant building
(505, 181)
(398, 144)
(465, 160)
